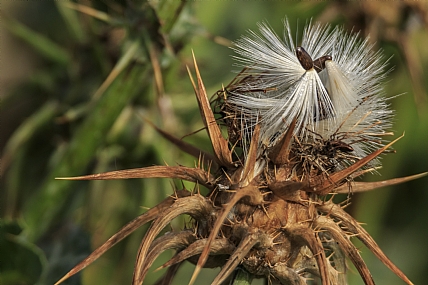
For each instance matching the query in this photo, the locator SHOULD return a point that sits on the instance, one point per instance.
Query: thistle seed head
(299, 129)
(336, 98)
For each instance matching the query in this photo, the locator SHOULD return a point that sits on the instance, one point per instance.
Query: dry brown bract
(265, 213)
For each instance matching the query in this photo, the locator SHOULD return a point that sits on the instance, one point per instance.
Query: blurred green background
(77, 81)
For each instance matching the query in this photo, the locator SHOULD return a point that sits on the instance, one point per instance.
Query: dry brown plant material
(266, 212)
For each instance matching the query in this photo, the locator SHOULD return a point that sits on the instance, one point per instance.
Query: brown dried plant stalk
(266, 214)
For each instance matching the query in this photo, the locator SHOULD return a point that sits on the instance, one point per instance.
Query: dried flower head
(307, 120)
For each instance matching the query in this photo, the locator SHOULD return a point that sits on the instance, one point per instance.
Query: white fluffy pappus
(331, 83)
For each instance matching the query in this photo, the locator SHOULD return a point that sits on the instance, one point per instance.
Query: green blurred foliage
(96, 77)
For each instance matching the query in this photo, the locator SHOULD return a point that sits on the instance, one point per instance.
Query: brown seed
(319, 63)
(304, 58)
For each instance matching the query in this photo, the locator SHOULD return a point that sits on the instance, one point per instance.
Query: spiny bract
(303, 123)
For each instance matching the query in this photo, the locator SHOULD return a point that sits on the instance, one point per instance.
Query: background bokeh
(77, 84)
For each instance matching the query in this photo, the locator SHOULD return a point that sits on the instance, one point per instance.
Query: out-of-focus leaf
(168, 12)
(85, 9)
(38, 42)
(72, 20)
(20, 262)
(49, 202)
(118, 68)
(64, 247)
(27, 130)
